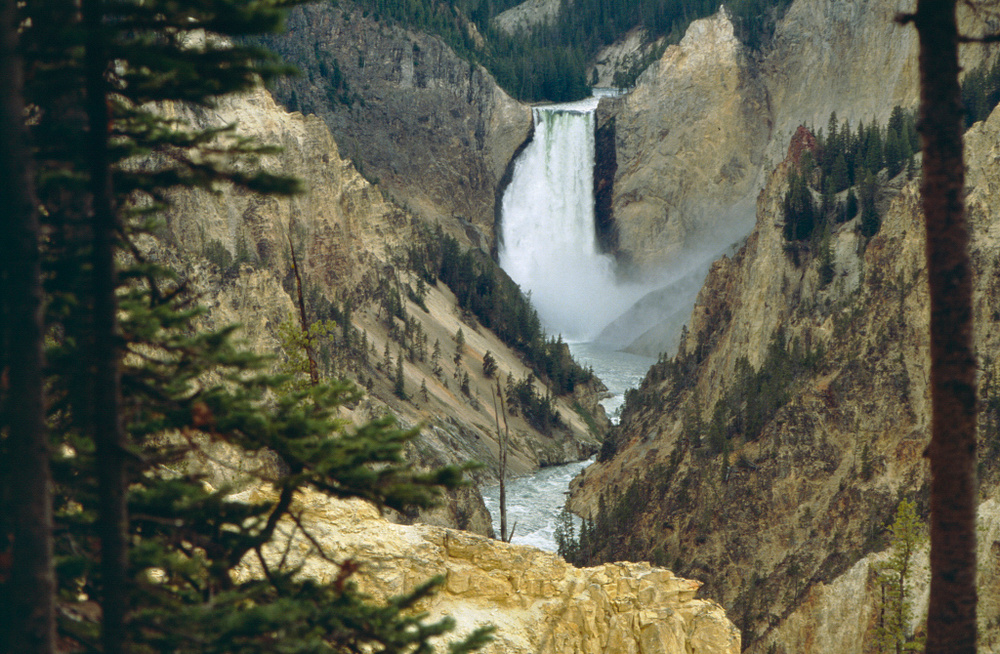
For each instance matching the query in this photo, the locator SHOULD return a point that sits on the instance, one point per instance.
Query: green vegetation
(981, 92)
(847, 160)
(751, 400)
(485, 292)
(146, 552)
(892, 632)
(537, 409)
(489, 365)
(609, 536)
(852, 160)
(549, 62)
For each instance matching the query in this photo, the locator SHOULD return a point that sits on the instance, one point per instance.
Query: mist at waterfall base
(549, 246)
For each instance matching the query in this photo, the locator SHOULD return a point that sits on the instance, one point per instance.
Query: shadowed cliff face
(431, 128)
(766, 518)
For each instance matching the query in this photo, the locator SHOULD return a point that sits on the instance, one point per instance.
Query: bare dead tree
(502, 440)
(303, 321)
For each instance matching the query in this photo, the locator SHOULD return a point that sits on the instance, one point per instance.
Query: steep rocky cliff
(539, 603)
(705, 124)
(689, 142)
(770, 454)
(431, 128)
(349, 245)
(842, 616)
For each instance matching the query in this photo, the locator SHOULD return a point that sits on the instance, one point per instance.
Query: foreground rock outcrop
(538, 602)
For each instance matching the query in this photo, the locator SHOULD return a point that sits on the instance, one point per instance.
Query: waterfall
(549, 246)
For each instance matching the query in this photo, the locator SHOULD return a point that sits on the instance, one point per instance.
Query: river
(535, 501)
(549, 247)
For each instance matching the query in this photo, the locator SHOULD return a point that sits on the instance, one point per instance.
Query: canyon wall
(526, 15)
(841, 616)
(706, 123)
(432, 129)
(765, 516)
(689, 139)
(700, 132)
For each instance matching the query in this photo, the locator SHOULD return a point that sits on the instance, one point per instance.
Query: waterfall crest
(549, 246)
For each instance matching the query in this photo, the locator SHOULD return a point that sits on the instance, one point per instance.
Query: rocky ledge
(539, 603)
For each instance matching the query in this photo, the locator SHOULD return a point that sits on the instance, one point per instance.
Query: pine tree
(436, 359)
(566, 543)
(399, 387)
(870, 220)
(387, 359)
(799, 210)
(510, 391)
(893, 634)
(951, 614)
(489, 365)
(459, 346)
(25, 487)
(137, 387)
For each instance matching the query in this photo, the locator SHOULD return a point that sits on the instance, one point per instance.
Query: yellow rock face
(538, 602)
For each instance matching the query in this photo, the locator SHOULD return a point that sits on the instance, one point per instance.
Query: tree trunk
(951, 619)
(109, 437)
(29, 608)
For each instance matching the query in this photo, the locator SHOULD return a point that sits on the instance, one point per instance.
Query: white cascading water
(549, 245)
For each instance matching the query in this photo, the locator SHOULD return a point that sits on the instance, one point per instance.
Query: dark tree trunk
(109, 436)
(30, 595)
(951, 619)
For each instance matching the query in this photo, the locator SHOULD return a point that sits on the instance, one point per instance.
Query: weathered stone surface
(619, 56)
(538, 602)
(840, 617)
(849, 57)
(433, 129)
(704, 126)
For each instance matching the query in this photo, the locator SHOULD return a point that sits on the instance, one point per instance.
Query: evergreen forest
(549, 62)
